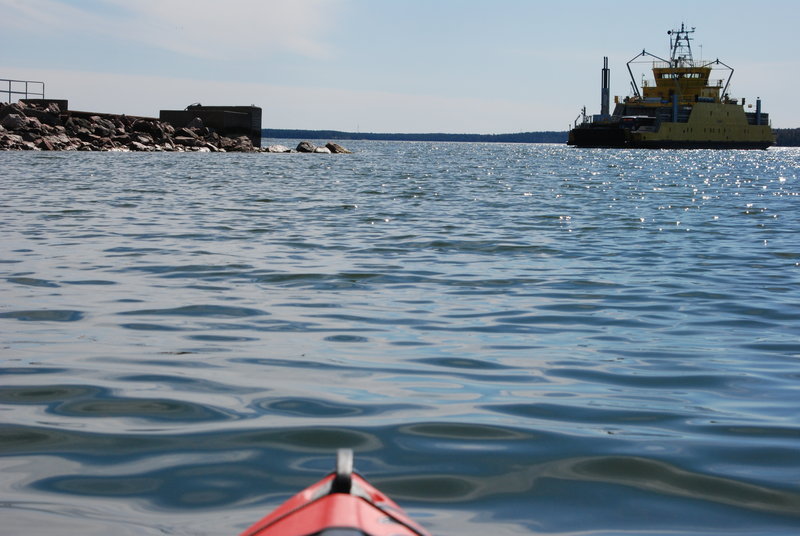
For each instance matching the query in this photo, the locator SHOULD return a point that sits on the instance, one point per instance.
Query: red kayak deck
(341, 504)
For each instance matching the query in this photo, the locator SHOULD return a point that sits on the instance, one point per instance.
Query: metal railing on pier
(21, 87)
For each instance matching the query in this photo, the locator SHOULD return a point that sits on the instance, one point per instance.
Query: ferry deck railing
(711, 83)
(21, 87)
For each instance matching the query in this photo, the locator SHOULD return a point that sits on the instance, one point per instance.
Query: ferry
(682, 108)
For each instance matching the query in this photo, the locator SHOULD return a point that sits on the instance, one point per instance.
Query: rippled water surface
(513, 338)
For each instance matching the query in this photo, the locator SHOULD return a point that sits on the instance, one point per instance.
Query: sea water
(513, 339)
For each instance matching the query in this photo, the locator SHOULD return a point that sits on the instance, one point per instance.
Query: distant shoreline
(784, 137)
(520, 137)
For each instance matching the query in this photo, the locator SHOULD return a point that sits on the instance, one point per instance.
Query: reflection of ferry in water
(681, 109)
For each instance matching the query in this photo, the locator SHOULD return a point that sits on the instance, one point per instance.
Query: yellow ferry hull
(710, 125)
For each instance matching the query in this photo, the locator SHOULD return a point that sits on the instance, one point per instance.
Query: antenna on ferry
(680, 45)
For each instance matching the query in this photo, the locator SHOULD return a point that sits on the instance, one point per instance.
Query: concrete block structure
(229, 121)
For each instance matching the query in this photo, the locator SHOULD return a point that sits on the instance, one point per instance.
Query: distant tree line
(787, 137)
(520, 137)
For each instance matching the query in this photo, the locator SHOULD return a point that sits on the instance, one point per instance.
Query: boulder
(11, 140)
(277, 149)
(104, 128)
(74, 124)
(33, 124)
(305, 147)
(106, 123)
(241, 144)
(84, 134)
(14, 121)
(9, 109)
(335, 148)
(186, 141)
(45, 144)
(121, 139)
(60, 139)
(159, 133)
(142, 125)
(30, 135)
(136, 146)
(195, 123)
(323, 150)
(144, 139)
(186, 132)
(44, 116)
(214, 138)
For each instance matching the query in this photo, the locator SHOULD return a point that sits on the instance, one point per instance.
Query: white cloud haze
(200, 28)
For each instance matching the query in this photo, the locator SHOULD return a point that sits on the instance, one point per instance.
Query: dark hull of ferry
(598, 136)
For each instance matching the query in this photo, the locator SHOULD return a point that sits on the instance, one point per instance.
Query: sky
(456, 66)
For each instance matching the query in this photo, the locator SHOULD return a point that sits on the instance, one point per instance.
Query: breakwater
(45, 126)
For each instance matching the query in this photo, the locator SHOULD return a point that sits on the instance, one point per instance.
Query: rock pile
(308, 147)
(46, 127)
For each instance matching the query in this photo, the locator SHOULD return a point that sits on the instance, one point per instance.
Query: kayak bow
(341, 504)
